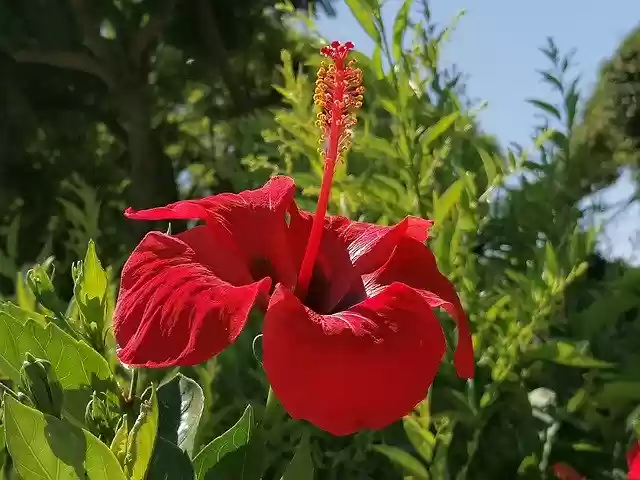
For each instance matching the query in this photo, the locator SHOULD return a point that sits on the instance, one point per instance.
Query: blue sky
(497, 45)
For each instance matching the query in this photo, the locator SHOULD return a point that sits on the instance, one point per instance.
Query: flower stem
(133, 387)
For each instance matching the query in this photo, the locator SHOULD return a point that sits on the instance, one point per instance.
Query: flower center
(338, 93)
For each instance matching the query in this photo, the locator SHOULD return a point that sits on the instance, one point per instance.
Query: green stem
(133, 387)
(7, 390)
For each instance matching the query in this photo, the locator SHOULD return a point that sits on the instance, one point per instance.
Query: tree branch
(150, 32)
(90, 29)
(69, 60)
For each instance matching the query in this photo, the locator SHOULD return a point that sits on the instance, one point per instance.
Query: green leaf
(120, 440)
(301, 467)
(547, 107)
(399, 27)
(90, 287)
(421, 438)
(79, 369)
(449, 199)
(489, 165)
(44, 447)
(364, 12)
(180, 402)
(551, 260)
(404, 460)
(208, 462)
(564, 353)
(142, 437)
(169, 463)
(435, 131)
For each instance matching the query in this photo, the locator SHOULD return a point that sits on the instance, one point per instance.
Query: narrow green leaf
(121, 440)
(404, 460)
(435, 131)
(364, 13)
(547, 107)
(44, 447)
(449, 199)
(142, 437)
(376, 62)
(421, 438)
(301, 466)
(400, 27)
(80, 369)
(551, 260)
(180, 402)
(234, 440)
(489, 165)
(90, 289)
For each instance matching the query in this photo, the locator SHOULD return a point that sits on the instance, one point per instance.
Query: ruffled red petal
(370, 245)
(174, 308)
(413, 264)
(254, 220)
(362, 368)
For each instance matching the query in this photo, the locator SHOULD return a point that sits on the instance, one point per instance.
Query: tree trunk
(152, 177)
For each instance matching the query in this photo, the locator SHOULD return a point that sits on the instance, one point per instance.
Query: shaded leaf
(301, 466)
(404, 460)
(547, 107)
(180, 403)
(169, 462)
(568, 354)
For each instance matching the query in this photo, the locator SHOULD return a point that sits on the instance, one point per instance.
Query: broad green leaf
(404, 460)
(234, 440)
(547, 107)
(44, 447)
(301, 466)
(568, 354)
(399, 27)
(142, 437)
(449, 199)
(78, 367)
(22, 315)
(364, 13)
(169, 463)
(435, 131)
(180, 403)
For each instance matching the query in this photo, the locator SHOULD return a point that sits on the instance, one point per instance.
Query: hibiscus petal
(413, 264)
(172, 308)
(363, 368)
(370, 245)
(253, 219)
(334, 275)
(633, 460)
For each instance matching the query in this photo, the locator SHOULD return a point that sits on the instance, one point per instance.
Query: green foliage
(555, 327)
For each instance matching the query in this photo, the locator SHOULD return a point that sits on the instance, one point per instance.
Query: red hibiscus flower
(633, 460)
(350, 339)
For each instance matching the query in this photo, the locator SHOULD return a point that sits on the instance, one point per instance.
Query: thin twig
(150, 32)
